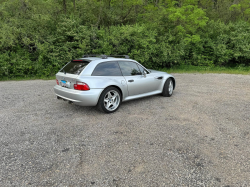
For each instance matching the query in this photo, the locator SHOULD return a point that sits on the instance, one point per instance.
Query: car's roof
(104, 59)
(96, 60)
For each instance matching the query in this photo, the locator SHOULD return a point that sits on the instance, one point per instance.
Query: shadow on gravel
(94, 111)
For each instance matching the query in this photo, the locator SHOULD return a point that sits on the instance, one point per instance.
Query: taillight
(57, 82)
(81, 86)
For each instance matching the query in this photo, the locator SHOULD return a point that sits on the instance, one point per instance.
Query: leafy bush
(37, 37)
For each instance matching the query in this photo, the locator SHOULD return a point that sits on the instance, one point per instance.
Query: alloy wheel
(111, 100)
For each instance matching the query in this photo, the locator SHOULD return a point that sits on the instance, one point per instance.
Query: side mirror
(144, 73)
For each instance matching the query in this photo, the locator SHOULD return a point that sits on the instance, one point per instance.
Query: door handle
(130, 80)
(159, 78)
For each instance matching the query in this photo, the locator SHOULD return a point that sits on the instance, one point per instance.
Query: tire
(168, 88)
(109, 100)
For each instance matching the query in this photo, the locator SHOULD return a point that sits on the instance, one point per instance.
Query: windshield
(75, 66)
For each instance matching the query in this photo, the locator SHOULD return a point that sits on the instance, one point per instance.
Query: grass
(243, 70)
(27, 78)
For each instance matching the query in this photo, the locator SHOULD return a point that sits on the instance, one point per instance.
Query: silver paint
(142, 85)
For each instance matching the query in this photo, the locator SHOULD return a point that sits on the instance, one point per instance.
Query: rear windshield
(75, 66)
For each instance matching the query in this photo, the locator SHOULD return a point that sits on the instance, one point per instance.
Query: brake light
(81, 86)
(57, 82)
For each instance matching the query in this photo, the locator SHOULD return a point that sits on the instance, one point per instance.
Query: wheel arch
(115, 87)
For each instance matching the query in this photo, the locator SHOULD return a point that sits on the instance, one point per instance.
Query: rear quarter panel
(102, 82)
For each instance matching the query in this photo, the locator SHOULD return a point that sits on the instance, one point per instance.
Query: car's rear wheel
(168, 88)
(109, 100)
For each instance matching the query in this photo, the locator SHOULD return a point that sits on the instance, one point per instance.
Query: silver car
(105, 82)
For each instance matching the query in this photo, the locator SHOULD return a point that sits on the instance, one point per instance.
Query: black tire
(113, 104)
(168, 88)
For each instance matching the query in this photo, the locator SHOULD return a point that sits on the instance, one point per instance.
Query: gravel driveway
(198, 137)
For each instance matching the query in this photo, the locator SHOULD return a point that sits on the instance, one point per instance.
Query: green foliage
(37, 37)
(16, 64)
(137, 41)
(187, 18)
(207, 69)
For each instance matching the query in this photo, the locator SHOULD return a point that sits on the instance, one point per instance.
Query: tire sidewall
(165, 91)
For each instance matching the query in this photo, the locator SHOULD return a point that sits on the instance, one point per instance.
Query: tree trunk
(23, 5)
(64, 6)
(74, 3)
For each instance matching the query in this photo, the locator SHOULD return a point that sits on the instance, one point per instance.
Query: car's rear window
(75, 66)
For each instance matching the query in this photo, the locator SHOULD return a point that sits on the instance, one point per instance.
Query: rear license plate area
(65, 84)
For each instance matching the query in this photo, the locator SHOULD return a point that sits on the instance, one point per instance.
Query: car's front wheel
(109, 100)
(168, 88)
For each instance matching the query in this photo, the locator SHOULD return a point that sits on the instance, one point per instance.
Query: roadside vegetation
(37, 37)
(243, 70)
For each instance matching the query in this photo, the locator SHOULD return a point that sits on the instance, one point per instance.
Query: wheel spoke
(109, 95)
(108, 105)
(114, 96)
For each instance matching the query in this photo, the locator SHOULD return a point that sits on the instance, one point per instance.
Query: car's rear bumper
(83, 98)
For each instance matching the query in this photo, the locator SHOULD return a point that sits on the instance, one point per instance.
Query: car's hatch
(66, 77)
(66, 80)
(75, 67)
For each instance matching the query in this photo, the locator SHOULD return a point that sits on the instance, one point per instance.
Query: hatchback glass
(75, 67)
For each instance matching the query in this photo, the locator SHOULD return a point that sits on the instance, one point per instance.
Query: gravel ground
(198, 137)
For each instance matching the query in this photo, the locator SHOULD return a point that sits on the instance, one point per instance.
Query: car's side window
(107, 69)
(141, 69)
(129, 68)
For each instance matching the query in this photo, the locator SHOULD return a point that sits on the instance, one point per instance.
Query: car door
(137, 83)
